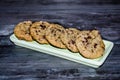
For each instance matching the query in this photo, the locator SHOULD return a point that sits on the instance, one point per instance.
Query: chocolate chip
(26, 33)
(52, 31)
(68, 42)
(34, 27)
(92, 50)
(24, 23)
(44, 36)
(36, 32)
(103, 47)
(86, 39)
(59, 30)
(71, 31)
(43, 27)
(54, 34)
(89, 37)
(95, 45)
(73, 42)
(83, 41)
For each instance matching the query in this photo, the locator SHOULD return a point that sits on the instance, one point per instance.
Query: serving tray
(64, 53)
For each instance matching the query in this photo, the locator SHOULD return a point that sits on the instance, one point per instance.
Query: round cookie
(90, 44)
(38, 30)
(22, 32)
(69, 37)
(53, 34)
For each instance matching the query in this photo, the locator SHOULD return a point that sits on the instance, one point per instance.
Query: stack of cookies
(86, 42)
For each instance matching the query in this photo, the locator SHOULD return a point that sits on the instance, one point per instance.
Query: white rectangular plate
(64, 53)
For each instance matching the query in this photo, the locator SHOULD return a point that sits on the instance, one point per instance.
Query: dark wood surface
(18, 63)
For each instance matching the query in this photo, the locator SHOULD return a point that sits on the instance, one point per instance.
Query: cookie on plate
(22, 32)
(69, 37)
(53, 34)
(90, 44)
(37, 31)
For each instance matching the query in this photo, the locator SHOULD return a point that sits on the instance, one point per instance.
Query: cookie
(90, 44)
(69, 37)
(37, 31)
(22, 32)
(53, 34)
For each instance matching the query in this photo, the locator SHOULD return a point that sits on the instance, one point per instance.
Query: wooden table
(18, 63)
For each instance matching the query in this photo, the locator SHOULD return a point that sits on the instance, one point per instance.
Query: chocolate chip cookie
(90, 44)
(37, 31)
(69, 37)
(53, 34)
(22, 32)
